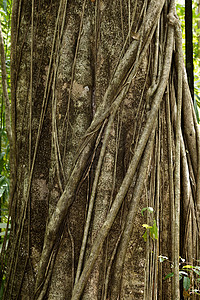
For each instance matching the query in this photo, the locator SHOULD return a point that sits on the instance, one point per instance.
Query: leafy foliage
(152, 231)
(5, 18)
(189, 274)
(180, 7)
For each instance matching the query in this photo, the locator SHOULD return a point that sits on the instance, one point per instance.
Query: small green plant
(186, 273)
(152, 230)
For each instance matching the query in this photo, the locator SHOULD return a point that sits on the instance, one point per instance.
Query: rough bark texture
(94, 120)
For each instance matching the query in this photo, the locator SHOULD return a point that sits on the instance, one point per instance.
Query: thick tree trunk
(103, 126)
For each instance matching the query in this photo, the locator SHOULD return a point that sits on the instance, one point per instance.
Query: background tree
(102, 126)
(193, 49)
(5, 25)
(189, 45)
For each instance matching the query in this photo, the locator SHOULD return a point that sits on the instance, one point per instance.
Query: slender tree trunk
(103, 126)
(189, 45)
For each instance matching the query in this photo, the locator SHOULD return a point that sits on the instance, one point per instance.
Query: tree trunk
(103, 126)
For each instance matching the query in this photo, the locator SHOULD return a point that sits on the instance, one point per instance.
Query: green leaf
(162, 258)
(188, 267)
(142, 211)
(154, 231)
(145, 236)
(169, 275)
(149, 209)
(186, 283)
(4, 225)
(183, 273)
(146, 226)
(5, 5)
(2, 190)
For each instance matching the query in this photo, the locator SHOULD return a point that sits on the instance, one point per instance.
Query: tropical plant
(180, 7)
(5, 19)
(189, 275)
(151, 230)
